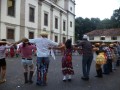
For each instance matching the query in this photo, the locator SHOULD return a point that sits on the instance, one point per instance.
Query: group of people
(42, 45)
(111, 52)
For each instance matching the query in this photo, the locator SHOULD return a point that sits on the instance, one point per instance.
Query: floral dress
(67, 67)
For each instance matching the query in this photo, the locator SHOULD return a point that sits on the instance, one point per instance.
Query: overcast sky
(96, 8)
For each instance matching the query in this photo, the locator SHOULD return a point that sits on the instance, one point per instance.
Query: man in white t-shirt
(42, 44)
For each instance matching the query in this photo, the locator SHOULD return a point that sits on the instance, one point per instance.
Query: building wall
(71, 29)
(64, 18)
(71, 18)
(118, 38)
(71, 6)
(56, 14)
(22, 19)
(8, 21)
(46, 9)
(22, 26)
(61, 3)
(34, 4)
(31, 26)
(107, 39)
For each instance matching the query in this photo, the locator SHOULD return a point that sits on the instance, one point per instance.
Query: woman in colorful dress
(67, 67)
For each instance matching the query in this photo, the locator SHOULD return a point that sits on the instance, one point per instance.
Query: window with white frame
(31, 35)
(114, 38)
(64, 39)
(91, 37)
(11, 7)
(70, 23)
(64, 25)
(56, 38)
(56, 23)
(31, 13)
(10, 33)
(46, 19)
(70, 8)
(102, 38)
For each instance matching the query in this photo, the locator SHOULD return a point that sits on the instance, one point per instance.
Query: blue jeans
(86, 64)
(42, 69)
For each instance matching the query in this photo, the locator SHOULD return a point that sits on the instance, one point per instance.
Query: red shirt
(26, 52)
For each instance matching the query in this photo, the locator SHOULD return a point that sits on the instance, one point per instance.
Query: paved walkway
(15, 80)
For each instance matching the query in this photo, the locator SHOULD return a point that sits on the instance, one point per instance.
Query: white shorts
(27, 62)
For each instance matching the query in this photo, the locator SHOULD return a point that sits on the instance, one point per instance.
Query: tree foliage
(83, 26)
(115, 18)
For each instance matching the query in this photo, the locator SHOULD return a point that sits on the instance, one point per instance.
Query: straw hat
(103, 44)
(25, 40)
(2, 42)
(97, 44)
(111, 45)
(43, 33)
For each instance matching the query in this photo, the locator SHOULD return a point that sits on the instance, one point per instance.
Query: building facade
(104, 35)
(27, 18)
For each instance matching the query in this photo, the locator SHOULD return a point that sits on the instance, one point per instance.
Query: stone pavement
(15, 80)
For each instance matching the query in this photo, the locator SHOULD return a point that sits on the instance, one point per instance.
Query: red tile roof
(105, 32)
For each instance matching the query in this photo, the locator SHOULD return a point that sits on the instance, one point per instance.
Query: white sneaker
(69, 77)
(64, 78)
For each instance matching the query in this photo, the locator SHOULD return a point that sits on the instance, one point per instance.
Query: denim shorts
(26, 62)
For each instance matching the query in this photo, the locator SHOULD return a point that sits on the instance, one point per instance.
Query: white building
(27, 18)
(104, 35)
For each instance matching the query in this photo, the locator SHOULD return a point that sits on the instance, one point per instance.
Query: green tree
(83, 26)
(105, 24)
(115, 18)
(95, 23)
